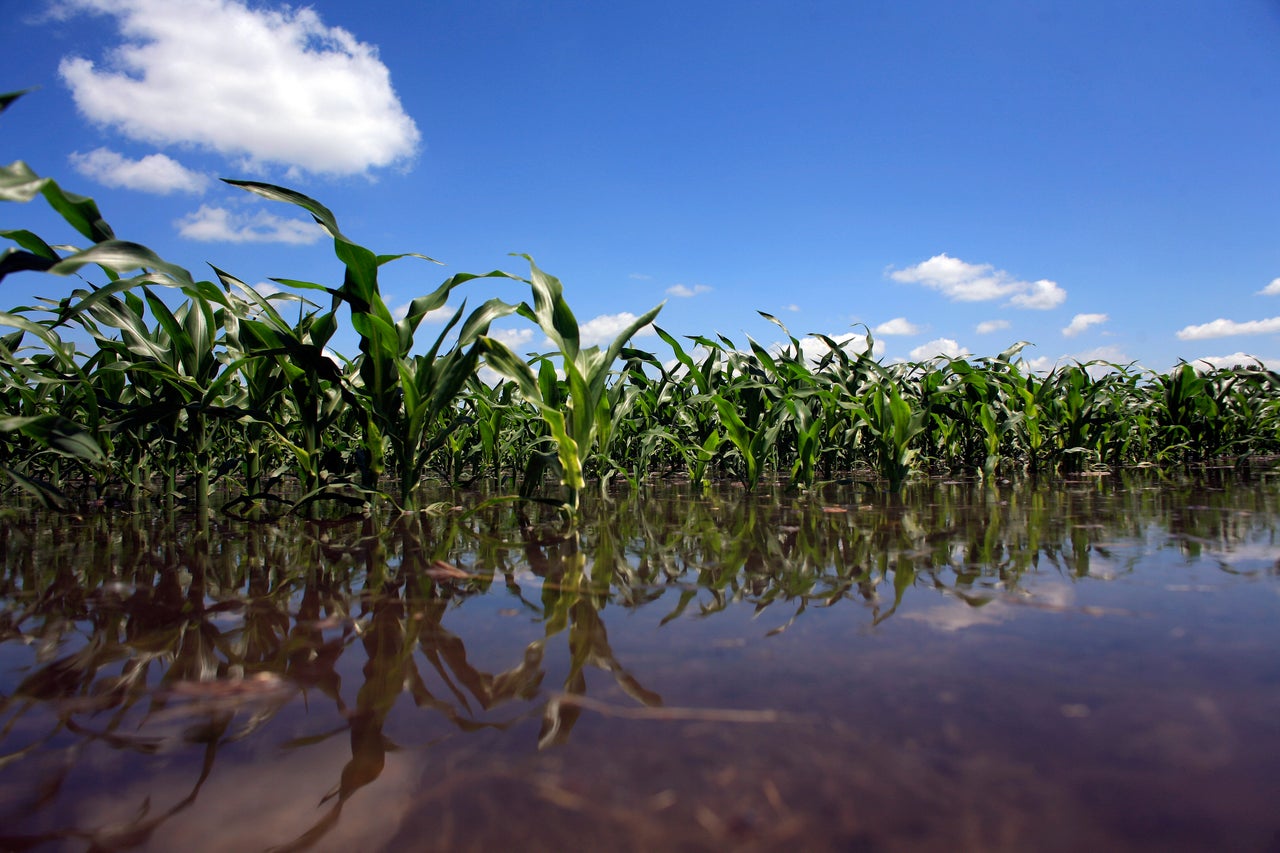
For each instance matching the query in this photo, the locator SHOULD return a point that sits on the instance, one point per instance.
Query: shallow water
(1080, 663)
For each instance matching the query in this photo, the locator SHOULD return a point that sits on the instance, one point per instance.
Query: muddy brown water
(1075, 664)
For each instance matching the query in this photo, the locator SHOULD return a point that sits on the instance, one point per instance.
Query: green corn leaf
(120, 256)
(322, 215)
(14, 260)
(59, 434)
(19, 183)
(32, 243)
(48, 496)
(7, 98)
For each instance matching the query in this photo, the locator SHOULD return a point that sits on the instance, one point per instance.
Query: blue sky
(1101, 179)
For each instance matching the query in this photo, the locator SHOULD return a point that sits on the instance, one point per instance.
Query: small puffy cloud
(268, 85)
(1040, 364)
(154, 173)
(986, 327)
(1221, 328)
(513, 338)
(684, 291)
(439, 315)
(938, 347)
(1272, 289)
(792, 307)
(1080, 322)
(964, 282)
(219, 225)
(602, 330)
(1040, 295)
(897, 326)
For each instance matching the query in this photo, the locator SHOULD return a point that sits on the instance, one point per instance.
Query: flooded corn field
(1079, 663)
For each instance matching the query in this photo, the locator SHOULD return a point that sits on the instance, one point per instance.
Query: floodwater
(1076, 664)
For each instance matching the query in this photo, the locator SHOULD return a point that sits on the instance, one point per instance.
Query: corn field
(192, 387)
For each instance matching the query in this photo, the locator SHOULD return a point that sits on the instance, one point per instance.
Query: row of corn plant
(144, 379)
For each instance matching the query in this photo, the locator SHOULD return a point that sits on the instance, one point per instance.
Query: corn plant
(586, 419)
(409, 400)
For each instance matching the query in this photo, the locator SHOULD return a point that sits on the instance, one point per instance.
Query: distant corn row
(213, 386)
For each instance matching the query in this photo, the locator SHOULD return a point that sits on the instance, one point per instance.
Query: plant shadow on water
(966, 666)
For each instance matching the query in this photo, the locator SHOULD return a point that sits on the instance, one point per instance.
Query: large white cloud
(219, 225)
(1080, 322)
(273, 86)
(965, 282)
(155, 173)
(1221, 328)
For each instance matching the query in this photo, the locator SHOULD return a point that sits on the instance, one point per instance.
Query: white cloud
(964, 282)
(986, 327)
(217, 224)
(1239, 359)
(639, 276)
(897, 326)
(1040, 295)
(814, 348)
(155, 173)
(439, 315)
(1080, 322)
(602, 330)
(1105, 356)
(270, 85)
(791, 307)
(939, 346)
(684, 291)
(1221, 328)
(1040, 364)
(513, 338)
(1272, 289)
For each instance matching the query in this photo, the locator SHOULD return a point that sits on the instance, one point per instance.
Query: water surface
(1074, 663)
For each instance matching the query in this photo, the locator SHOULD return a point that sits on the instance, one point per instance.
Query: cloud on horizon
(964, 282)
(272, 86)
(1238, 359)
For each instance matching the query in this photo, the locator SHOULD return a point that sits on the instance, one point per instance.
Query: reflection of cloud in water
(274, 799)
(1247, 557)
(957, 614)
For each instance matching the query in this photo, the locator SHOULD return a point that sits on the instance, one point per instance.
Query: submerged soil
(1083, 663)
